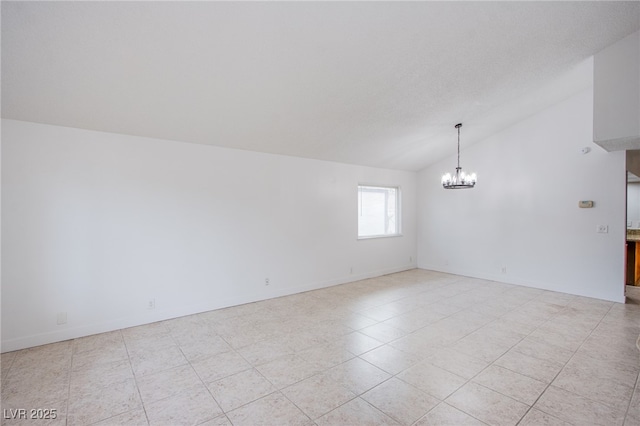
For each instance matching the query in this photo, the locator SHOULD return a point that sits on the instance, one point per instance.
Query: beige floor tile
(87, 379)
(576, 409)
(542, 350)
(502, 323)
(162, 385)
(318, 395)
(390, 359)
(358, 343)
(620, 372)
(357, 375)
(486, 405)
(326, 356)
(273, 409)
(446, 415)
(56, 354)
(612, 348)
(154, 361)
(509, 383)
(478, 347)
(584, 383)
(630, 422)
(400, 401)
(103, 403)
(218, 421)
(539, 369)
(287, 370)
(97, 341)
(384, 312)
(496, 307)
(239, 389)
(192, 406)
(108, 354)
(469, 321)
(135, 417)
(245, 335)
(518, 316)
(302, 340)
(565, 340)
(431, 379)
(383, 332)
(458, 363)
(633, 414)
(417, 345)
(329, 329)
(536, 417)
(265, 351)
(203, 347)
(218, 366)
(44, 370)
(187, 325)
(441, 333)
(356, 321)
(500, 333)
(145, 331)
(414, 320)
(625, 331)
(143, 345)
(34, 388)
(355, 412)
(6, 360)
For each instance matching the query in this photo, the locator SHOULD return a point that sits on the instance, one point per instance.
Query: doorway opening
(632, 253)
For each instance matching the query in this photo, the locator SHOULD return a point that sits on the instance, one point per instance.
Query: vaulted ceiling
(373, 83)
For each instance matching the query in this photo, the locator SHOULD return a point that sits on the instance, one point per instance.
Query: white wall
(617, 94)
(523, 214)
(95, 224)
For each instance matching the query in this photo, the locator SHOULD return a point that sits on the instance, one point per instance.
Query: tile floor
(417, 347)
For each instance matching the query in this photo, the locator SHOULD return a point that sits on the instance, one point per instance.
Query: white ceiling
(373, 83)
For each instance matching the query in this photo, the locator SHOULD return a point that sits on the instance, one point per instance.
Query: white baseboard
(162, 315)
(511, 279)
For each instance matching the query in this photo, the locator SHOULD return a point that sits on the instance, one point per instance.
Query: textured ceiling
(373, 83)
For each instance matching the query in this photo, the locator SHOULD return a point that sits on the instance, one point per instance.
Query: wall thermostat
(585, 204)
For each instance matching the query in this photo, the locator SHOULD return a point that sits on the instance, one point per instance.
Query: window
(378, 211)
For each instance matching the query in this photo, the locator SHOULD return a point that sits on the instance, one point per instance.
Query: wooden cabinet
(633, 263)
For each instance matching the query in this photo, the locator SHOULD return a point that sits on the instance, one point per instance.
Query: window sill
(372, 237)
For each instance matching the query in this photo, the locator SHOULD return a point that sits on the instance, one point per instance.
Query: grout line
(135, 379)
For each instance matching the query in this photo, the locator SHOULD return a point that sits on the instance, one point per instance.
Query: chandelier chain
(458, 126)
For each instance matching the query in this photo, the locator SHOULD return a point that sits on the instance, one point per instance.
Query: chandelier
(460, 179)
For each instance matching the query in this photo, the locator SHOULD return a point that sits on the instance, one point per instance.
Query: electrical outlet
(266, 281)
(62, 318)
(504, 269)
(410, 259)
(602, 229)
(151, 304)
(351, 270)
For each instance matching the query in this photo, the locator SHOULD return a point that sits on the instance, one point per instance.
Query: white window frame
(398, 190)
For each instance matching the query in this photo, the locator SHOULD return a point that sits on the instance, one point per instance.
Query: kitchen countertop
(633, 235)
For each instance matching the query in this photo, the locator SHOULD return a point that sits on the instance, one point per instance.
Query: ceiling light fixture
(460, 179)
